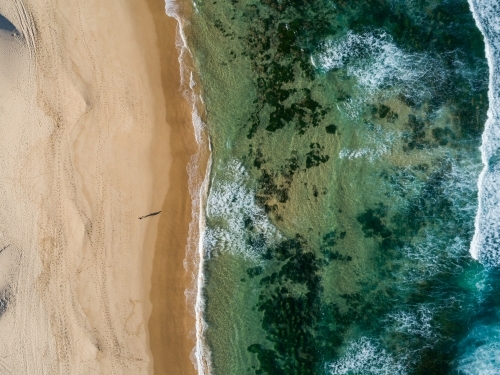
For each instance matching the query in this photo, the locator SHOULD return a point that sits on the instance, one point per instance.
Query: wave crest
(485, 245)
(237, 224)
(378, 63)
(365, 357)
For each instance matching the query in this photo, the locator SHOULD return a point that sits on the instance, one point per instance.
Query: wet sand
(172, 323)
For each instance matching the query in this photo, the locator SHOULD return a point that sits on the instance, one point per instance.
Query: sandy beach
(171, 326)
(94, 135)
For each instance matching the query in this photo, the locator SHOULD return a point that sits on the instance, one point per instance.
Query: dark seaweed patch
(415, 139)
(383, 111)
(314, 157)
(331, 129)
(255, 271)
(280, 55)
(303, 332)
(372, 222)
(292, 322)
(329, 241)
(443, 136)
(276, 185)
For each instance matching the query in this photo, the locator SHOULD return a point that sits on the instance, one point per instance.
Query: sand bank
(93, 136)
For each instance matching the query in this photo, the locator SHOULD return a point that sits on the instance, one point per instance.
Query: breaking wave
(237, 224)
(366, 358)
(485, 245)
(482, 353)
(377, 63)
(198, 171)
(415, 323)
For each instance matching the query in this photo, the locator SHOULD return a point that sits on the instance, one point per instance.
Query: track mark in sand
(27, 26)
(4, 248)
(129, 321)
(5, 367)
(148, 215)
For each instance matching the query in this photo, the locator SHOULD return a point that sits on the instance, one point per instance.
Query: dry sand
(93, 135)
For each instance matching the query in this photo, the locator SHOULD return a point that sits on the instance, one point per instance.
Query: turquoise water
(343, 191)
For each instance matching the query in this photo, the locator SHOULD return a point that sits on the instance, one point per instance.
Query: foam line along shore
(484, 245)
(196, 167)
(176, 325)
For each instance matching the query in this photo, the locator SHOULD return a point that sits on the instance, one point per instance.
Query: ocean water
(352, 211)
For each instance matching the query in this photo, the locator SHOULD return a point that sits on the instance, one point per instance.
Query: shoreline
(173, 325)
(478, 236)
(117, 137)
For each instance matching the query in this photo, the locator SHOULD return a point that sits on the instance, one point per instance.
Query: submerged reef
(357, 124)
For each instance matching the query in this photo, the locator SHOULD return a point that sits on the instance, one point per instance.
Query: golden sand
(93, 135)
(171, 326)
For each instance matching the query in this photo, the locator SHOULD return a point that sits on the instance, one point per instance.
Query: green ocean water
(343, 189)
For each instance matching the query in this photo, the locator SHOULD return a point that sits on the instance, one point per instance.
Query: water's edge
(198, 257)
(486, 237)
(199, 173)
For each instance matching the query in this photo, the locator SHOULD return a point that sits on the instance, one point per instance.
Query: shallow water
(344, 187)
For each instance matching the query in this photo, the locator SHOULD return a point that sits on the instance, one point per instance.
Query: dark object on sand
(153, 214)
(5, 24)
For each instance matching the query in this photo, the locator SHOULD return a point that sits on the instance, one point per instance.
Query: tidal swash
(353, 213)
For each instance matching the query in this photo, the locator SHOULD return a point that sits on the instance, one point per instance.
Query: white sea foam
(198, 187)
(461, 189)
(377, 62)
(485, 245)
(439, 247)
(363, 357)
(374, 143)
(201, 355)
(416, 323)
(481, 352)
(232, 208)
(431, 256)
